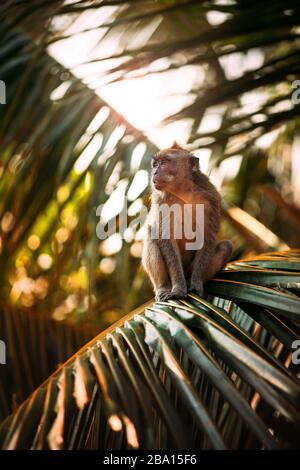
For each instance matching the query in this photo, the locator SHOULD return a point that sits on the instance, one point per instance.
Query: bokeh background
(93, 89)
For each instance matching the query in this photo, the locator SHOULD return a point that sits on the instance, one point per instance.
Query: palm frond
(25, 333)
(211, 372)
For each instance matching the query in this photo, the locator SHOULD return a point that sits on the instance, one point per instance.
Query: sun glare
(132, 100)
(145, 101)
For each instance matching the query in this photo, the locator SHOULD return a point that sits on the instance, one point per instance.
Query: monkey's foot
(162, 294)
(178, 292)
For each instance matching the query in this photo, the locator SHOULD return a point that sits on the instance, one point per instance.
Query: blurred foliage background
(92, 90)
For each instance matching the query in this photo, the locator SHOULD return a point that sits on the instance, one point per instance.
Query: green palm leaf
(220, 368)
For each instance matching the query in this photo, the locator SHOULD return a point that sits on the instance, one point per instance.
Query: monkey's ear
(194, 161)
(176, 146)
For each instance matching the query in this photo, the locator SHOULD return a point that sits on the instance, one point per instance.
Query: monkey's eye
(154, 164)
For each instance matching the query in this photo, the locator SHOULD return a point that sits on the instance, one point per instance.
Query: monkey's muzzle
(157, 182)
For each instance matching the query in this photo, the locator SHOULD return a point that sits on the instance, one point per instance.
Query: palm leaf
(220, 368)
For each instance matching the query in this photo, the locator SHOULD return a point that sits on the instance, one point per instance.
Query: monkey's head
(171, 167)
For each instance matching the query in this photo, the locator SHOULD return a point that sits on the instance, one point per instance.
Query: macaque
(173, 262)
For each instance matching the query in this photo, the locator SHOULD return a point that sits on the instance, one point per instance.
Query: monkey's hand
(178, 291)
(162, 294)
(196, 285)
(165, 293)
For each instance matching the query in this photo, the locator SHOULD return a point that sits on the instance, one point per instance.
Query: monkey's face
(173, 168)
(164, 169)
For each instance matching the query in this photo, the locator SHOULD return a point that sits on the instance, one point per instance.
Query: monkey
(174, 270)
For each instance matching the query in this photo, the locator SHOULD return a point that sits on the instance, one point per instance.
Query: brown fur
(173, 270)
